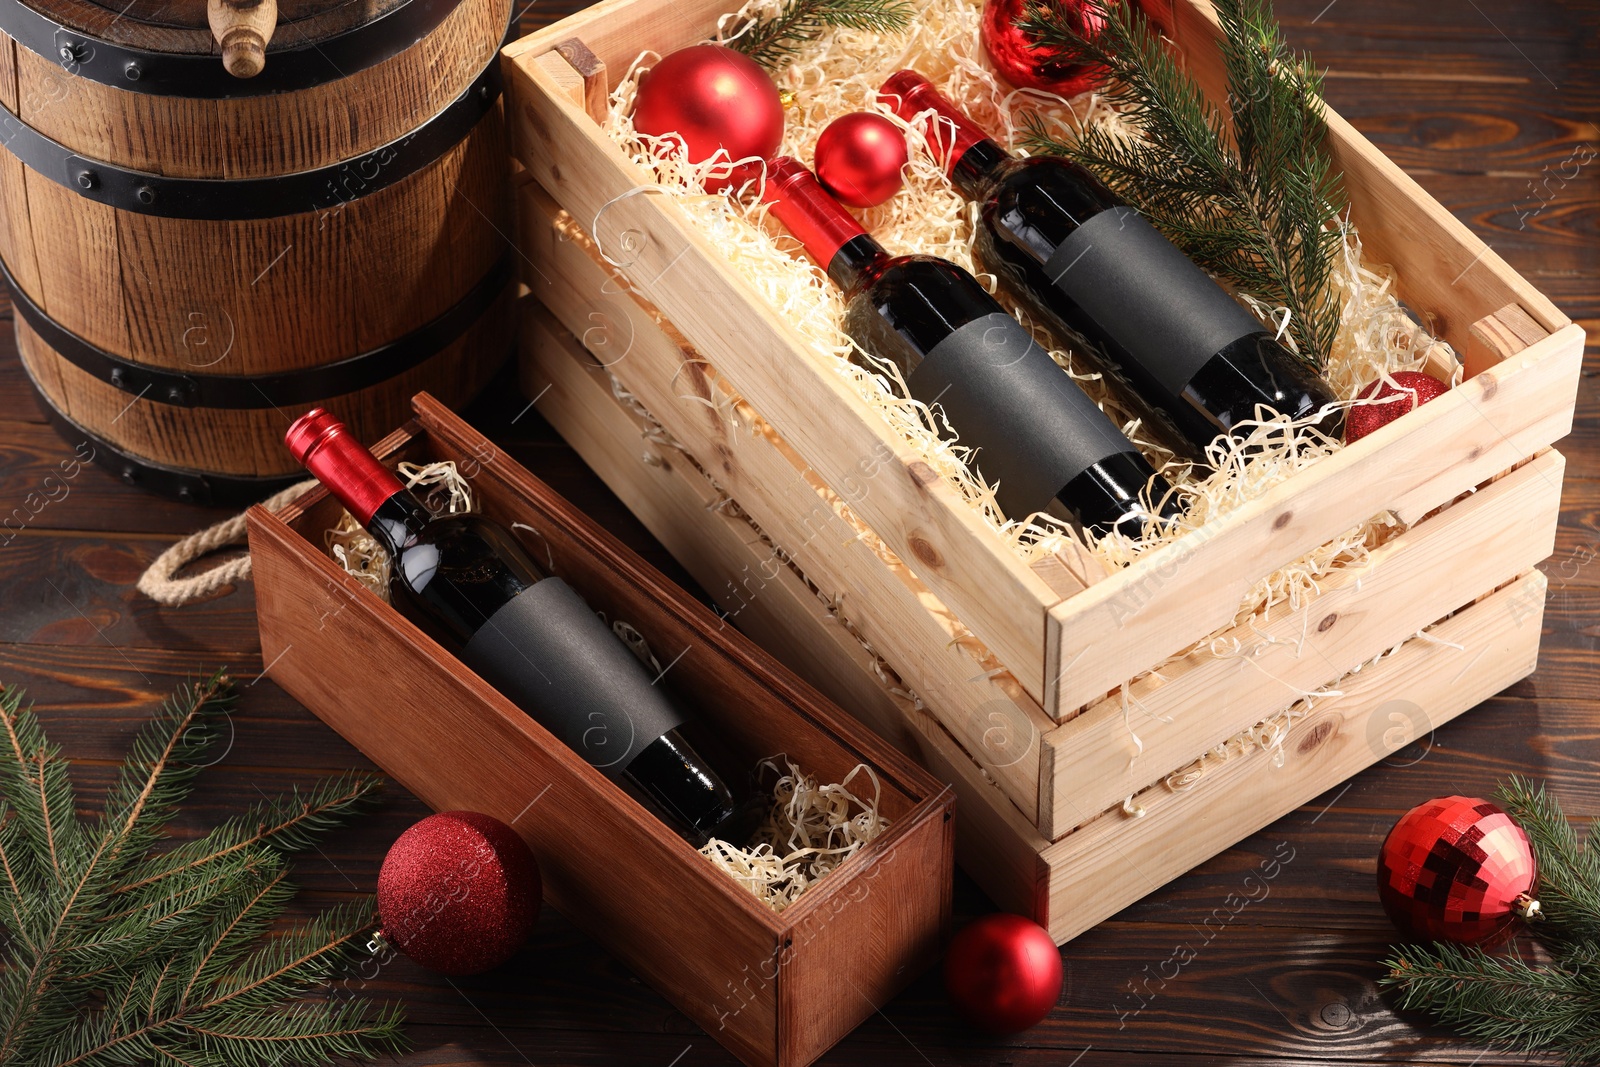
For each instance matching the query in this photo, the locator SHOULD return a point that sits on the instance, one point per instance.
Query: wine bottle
(1092, 268)
(1035, 432)
(470, 585)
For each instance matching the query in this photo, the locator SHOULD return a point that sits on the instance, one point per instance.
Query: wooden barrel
(198, 258)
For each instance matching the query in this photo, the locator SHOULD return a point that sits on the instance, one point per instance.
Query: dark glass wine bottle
(1036, 434)
(466, 580)
(1092, 268)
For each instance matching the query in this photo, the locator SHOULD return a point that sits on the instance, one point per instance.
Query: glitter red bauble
(859, 159)
(1025, 67)
(459, 892)
(1003, 973)
(714, 98)
(1456, 869)
(1415, 388)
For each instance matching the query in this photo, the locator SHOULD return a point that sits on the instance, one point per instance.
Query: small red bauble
(1457, 869)
(459, 892)
(1414, 389)
(1025, 67)
(714, 98)
(859, 159)
(1003, 973)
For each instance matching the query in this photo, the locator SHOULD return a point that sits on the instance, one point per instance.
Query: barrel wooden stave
(181, 26)
(249, 442)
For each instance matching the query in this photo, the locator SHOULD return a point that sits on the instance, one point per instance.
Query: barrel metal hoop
(326, 189)
(189, 486)
(254, 391)
(290, 68)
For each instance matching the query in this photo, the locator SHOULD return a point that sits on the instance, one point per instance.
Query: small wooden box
(1033, 685)
(769, 986)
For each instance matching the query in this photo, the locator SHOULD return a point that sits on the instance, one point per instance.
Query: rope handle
(158, 581)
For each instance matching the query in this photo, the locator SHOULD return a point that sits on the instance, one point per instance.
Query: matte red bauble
(458, 892)
(1457, 869)
(1003, 973)
(1414, 389)
(859, 159)
(1025, 67)
(714, 98)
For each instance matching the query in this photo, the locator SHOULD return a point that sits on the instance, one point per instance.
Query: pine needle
(775, 42)
(117, 953)
(1500, 998)
(1252, 197)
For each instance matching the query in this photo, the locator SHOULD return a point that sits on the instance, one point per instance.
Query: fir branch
(775, 42)
(1501, 999)
(1569, 872)
(1252, 199)
(115, 956)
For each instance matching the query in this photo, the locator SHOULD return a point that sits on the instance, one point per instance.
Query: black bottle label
(1035, 429)
(1147, 296)
(549, 653)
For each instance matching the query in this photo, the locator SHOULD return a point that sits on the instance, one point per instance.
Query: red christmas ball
(713, 98)
(859, 159)
(1022, 65)
(459, 892)
(1414, 389)
(1456, 869)
(1003, 973)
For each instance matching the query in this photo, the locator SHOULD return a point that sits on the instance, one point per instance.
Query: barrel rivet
(176, 395)
(146, 194)
(118, 377)
(130, 473)
(71, 53)
(88, 179)
(185, 494)
(132, 71)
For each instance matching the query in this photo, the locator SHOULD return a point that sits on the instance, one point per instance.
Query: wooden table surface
(1485, 104)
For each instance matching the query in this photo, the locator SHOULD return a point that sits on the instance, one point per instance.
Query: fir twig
(1569, 872)
(775, 42)
(1253, 200)
(116, 956)
(1502, 999)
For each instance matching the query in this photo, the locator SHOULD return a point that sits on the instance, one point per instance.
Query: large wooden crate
(1020, 670)
(763, 983)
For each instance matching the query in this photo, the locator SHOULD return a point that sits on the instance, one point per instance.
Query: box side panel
(985, 707)
(455, 743)
(1173, 597)
(995, 844)
(1101, 868)
(1122, 744)
(848, 953)
(914, 510)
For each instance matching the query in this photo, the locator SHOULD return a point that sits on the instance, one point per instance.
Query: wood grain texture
(1441, 92)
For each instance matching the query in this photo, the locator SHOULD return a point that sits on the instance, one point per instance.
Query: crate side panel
(994, 843)
(1106, 865)
(1176, 595)
(987, 710)
(1122, 744)
(914, 510)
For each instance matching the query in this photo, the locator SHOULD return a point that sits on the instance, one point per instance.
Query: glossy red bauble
(1025, 67)
(1003, 973)
(1456, 869)
(859, 159)
(459, 892)
(713, 98)
(1414, 389)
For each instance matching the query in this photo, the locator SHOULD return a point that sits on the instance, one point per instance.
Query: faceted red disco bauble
(1003, 973)
(713, 98)
(459, 892)
(1026, 67)
(1414, 389)
(859, 159)
(1456, 869)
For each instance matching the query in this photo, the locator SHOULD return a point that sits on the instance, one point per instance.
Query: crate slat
(1470, 548)
(987, 710)
(996, 845)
